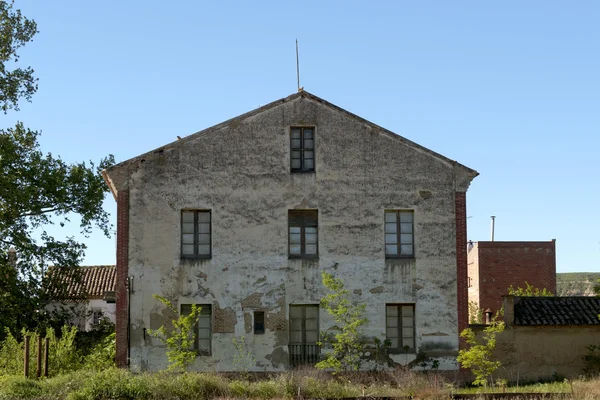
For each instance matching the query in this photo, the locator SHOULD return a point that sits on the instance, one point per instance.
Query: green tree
(529, 291)
(179, 339)
(36, 190)
(478, 357)
(347, 341)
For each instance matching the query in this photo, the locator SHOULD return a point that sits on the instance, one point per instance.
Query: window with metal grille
(302, 149)
(302, 234)
(259, 322)
(400, 327)
(304, 334)
(196, 238)
(203, 328)
(399, 234)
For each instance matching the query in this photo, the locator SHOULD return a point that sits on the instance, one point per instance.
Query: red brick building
(494, 266)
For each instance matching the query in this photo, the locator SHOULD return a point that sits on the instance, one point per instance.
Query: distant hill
(576, 283)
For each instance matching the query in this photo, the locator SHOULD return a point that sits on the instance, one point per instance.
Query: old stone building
(242, 218)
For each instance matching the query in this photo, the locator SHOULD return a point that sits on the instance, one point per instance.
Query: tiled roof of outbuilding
(85, 282)
(554, 311)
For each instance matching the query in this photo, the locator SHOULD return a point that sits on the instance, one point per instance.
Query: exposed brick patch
(277, 320)
(461, 263)
(378, 289)
(498, 265)
(224, 319)
(248, 322)
(252, 301)
(121, 326)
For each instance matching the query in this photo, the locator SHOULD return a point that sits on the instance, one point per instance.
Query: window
(202, 341)
(302, 149)
(400, 327)
(302, 237)
(96, 316)
(304, 334)
(259, 322)
(195, 234)
(399, 234)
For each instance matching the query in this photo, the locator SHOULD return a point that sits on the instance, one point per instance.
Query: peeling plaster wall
(241, 173)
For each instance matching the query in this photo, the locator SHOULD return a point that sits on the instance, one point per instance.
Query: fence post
(46, 352)
(26, 357)
(39, 356)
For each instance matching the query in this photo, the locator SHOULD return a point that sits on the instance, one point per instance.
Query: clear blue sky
(511, 89)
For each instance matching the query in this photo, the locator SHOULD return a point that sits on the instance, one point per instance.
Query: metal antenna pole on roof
(297, 66)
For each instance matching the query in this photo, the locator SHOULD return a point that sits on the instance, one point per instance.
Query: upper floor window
(195, 234)
(303, 240)
(302, 149)
(399, 236)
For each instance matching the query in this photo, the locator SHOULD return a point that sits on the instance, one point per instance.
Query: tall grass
(114, 383)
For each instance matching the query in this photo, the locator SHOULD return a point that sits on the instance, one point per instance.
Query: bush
(113, 384)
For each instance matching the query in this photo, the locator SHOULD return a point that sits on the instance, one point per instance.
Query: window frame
(400, 348)
(398, 233)
(302, 149)
(196, 348)
(96, 316)
(303, 226)
(195, 256)
(303, 318)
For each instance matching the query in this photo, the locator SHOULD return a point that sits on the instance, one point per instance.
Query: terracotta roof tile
(554, 311)
(85, 282)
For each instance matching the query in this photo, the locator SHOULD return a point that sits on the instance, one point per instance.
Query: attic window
(302, 149)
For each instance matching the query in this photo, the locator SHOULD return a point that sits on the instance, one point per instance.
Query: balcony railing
(304, 354)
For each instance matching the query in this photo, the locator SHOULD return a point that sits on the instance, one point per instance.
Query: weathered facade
(86, 293)
(267, 214)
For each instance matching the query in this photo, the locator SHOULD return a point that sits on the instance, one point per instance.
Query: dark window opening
(259, 322)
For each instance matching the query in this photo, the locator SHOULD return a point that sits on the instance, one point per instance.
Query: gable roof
(554, 311)
(114, 173)
(85, 282)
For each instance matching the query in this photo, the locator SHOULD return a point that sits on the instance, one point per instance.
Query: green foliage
(597, 288)
(113, 384)
(347, 340)
(243, 358)
(36, 190)
(102, 355)
(529, 291)
(179, 340)
(592, 360)
(475, 313)
(478, 357)
(11, 355)
(15, 32)
(63, 355)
